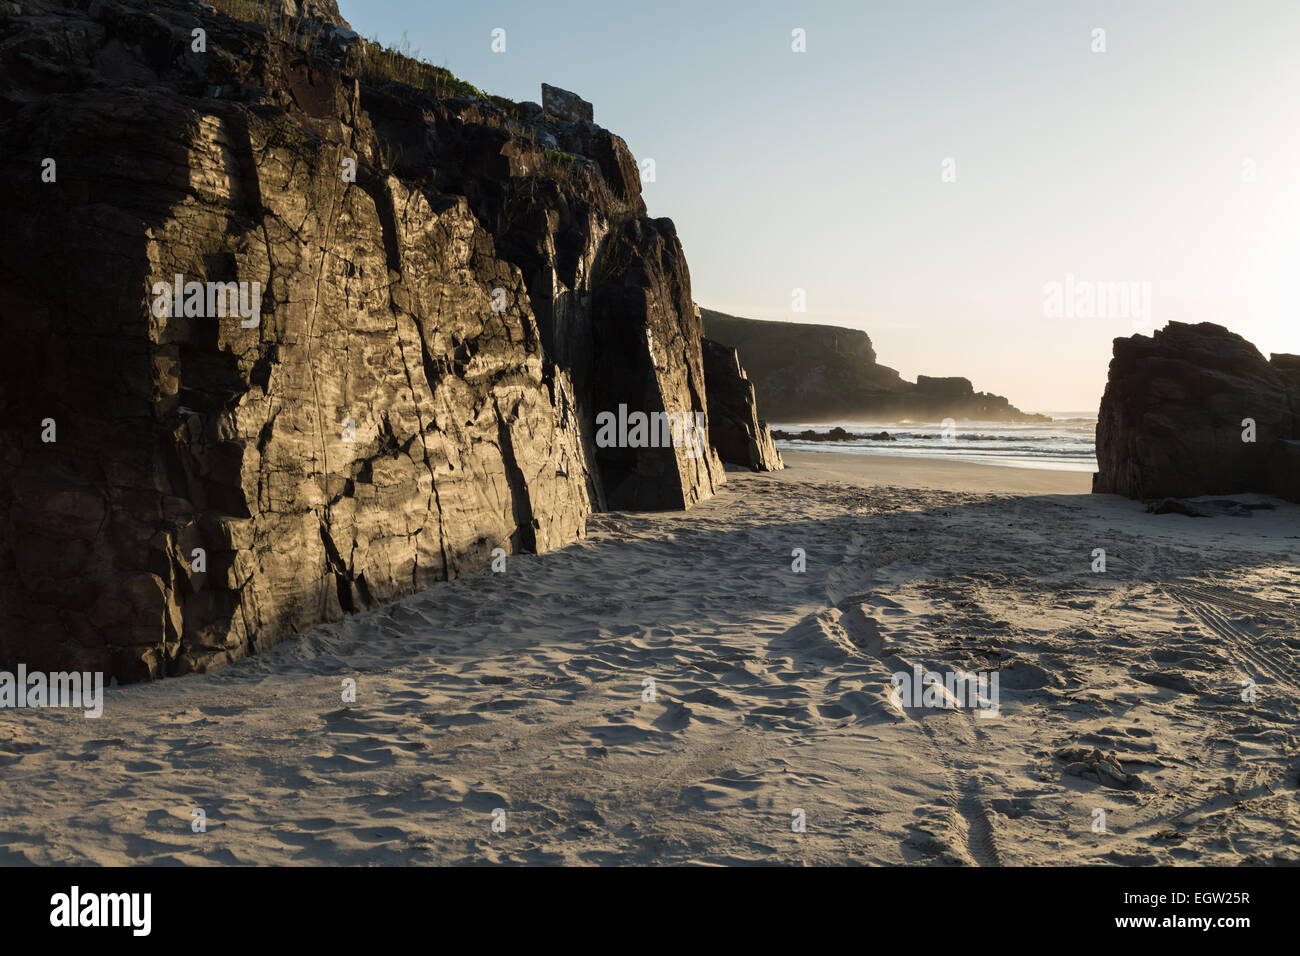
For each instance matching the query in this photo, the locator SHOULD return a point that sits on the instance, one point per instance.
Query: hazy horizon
(822, 170)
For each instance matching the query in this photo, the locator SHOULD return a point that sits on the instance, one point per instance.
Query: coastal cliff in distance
(810, 373)
(438, 293)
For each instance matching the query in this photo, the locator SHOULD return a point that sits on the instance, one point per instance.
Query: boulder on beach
(1197, 410)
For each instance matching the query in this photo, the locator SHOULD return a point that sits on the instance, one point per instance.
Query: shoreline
(933, 474)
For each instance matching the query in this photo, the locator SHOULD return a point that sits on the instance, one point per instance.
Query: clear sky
(1172, 158)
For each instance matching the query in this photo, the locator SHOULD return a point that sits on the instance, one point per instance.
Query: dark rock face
(740, 437)
(641, 306)
(807, 372)
(598, 276)
(566, 105)
(835, 434)
(1173, 416)
(434, 338)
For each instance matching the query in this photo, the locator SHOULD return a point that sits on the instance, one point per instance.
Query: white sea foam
(1068, 443)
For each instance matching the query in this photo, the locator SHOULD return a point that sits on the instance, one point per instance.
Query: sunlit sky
(1171, 158)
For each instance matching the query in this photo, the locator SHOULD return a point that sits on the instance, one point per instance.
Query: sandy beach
(934, 474)
(1121, 735)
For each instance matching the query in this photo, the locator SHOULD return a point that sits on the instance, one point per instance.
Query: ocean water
(1068, 443)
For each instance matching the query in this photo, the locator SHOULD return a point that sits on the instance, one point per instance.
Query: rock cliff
(1197, 410)
(441, 291)
(739, 436)
(807, 372)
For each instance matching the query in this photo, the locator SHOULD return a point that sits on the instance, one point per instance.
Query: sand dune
(523, 692)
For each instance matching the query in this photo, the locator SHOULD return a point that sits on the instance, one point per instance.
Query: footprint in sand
(143, 766)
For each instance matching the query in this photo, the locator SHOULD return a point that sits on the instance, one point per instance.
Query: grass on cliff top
(293, 31)
(379, 64)
(401, 64)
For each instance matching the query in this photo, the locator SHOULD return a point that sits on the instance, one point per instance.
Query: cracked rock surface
(436, 335)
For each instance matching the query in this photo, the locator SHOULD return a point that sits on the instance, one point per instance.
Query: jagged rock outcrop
(324, 10)
(564, 203)
(1173, 420)
(735, 430)
(449, 291)
(643, 274)
(820, 372)
(566, 105)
